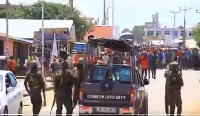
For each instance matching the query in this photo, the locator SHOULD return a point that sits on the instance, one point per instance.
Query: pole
(113, 17)
(104, 12)
(108, 15)
(184, 32)
(43, 38)
(7, 29)
(174, 23)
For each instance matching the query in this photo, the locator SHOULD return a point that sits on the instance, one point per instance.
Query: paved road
(190, 95)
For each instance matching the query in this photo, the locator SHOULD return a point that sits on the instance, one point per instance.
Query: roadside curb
(47, 89)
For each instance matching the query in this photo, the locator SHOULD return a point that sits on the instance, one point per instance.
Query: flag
(54, 49)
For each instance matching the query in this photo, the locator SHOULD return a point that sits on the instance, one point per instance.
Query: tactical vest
(35, 81)
(174, 82)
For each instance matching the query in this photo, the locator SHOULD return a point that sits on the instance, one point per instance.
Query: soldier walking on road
(36, 84)
(174, 82)
(63, 89)
(79, 69)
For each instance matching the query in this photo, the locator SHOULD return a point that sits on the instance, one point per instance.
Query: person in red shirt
(144, 64)
(12, 65)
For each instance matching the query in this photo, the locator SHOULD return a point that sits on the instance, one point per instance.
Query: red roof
(100, 31)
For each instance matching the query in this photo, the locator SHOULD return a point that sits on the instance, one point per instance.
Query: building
(153, 31)
(100, 31)
(18, 47)
(10, 7)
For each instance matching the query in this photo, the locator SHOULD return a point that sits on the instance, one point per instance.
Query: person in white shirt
(105, 58)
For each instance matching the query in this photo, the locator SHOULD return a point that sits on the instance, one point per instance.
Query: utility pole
(104, 12)
(113, 18)
(7, 29)
(184, 32)
(43, 38)
(174, 12)
(71, 3)
(107, 18)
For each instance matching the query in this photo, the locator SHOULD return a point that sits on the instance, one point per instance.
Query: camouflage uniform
(79, 74)
(63, 91)
(36, 84)
(174, 82)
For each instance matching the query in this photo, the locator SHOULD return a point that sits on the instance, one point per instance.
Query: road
(190, 95)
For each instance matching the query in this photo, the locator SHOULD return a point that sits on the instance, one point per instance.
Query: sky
(129, 13)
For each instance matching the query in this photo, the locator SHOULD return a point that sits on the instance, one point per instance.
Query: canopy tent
(116, 45)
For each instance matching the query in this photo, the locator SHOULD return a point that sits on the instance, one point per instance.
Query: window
(118, 74)
(1, 82)
(150, 33)
(12, 80)
(167, 32)
(175, 33)
(190, 33)
(158, 33)
(182, 33)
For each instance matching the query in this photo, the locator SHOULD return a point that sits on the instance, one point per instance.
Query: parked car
(11, 94)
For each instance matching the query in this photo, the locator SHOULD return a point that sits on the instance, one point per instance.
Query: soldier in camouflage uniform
(64, 80)
(79, 74)
(36, 84)
(174, 82)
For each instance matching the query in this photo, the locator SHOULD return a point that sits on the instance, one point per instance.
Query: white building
(154, 31)
(175, 33)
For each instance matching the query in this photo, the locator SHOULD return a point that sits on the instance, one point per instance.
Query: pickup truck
(11, 94)
(113, 93)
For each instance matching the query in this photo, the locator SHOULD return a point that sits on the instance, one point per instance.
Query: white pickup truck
(11, 94)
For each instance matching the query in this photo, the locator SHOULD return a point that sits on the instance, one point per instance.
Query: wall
(10, 48)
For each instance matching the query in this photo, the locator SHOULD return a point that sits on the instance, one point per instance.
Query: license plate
(106, 109)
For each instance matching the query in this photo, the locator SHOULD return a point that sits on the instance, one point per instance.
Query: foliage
(125, 30)
(138, 33)
(52, 11)
(196, 34)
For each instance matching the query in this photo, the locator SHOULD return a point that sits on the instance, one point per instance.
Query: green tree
(52, 11)
(125, 30)
(196, 34)
(138, 33)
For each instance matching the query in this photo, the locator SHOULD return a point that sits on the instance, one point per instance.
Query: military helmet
(173, 66)
(81, 61)
(33, 63)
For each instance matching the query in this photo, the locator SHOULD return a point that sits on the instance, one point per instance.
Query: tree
(52, 11)
(196, 34)
(138, 33)
(125, 30)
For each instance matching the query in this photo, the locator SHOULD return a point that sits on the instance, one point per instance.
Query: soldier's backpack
(36, 81)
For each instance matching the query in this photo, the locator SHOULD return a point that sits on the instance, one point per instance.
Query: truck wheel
(5, 111)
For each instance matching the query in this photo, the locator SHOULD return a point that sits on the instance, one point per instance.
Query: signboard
(61, 34)
(107, 97)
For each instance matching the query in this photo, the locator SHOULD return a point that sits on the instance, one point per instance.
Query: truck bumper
(93, 110)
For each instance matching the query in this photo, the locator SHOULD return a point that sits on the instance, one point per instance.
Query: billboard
(61, 34)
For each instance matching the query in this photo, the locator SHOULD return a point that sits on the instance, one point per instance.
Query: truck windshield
(1, 82)
(119, 74)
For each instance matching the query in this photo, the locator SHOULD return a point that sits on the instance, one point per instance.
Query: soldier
(36, 84)
(174, 82)
(79, 70)
(63, 89)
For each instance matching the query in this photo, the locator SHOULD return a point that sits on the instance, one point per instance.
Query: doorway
(1, 48)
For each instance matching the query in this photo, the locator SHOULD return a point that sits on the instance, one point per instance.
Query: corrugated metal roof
(24, 28)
